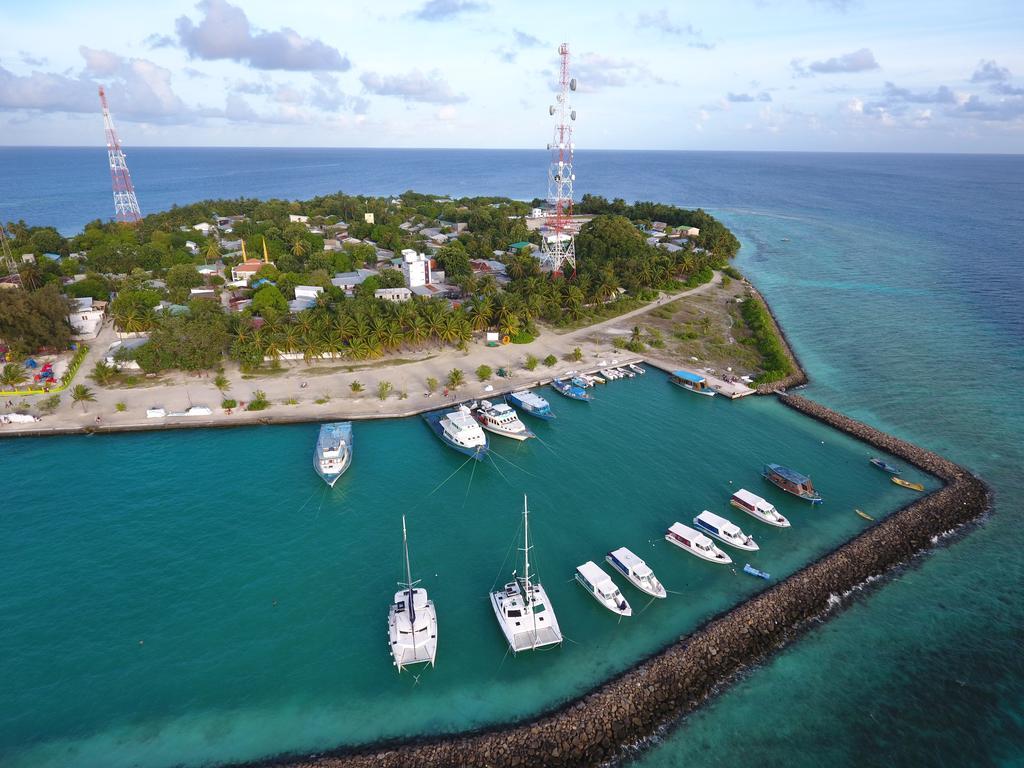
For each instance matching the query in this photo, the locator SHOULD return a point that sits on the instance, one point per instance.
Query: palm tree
(13, 376)
(455, 378)
(356, 387)
(416, 330)
(102, 373)
(212, 250)
(299, 247)
(82, 394)
(222, 383)
(636, 335)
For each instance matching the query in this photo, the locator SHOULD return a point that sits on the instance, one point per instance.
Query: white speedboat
(758, 508)
(625, 372)
(501, 419)
(636, 571)
(600, 585)
(610, 374)
(636, 369)
(723, 530)
(696, 543)
(459, 430)
(522, 607)
(412, 620)
(333, 453)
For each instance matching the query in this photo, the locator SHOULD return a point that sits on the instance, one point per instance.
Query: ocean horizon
(896, 277)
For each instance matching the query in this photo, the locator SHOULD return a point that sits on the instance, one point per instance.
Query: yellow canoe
(865, 515)
(912, 486)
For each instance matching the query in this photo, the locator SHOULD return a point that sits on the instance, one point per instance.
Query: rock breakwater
(596, 727)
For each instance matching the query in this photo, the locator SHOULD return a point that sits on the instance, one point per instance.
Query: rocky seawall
(597, 727)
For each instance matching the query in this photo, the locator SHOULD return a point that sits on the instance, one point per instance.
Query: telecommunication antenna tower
(558, 246)
(6, 260)
(126, 205)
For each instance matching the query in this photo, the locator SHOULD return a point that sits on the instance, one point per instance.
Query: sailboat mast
(526, 550)
(408, 582)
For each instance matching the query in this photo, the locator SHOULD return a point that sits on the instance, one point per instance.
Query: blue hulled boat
(885, 466)
(531, 403)
(570, 390)
(459, 430)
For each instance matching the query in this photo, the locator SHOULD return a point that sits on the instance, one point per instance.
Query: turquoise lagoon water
(206, 597)
(899, 284)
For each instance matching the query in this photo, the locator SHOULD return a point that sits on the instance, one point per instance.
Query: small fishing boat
(581, 382)
(567, 389)
(884, 466)
(522, 608)
(692, 382)
(459, 430)
(748, 568)
(791, 481)
(412, 620)
(625, 372)
(600, 585)
(530, 402)
(758, 508)
(636, 369)
(501, 419)
(609, 374)
(863, 514)
(636, 571)
(333, 453)
(906, 484)
(723, 530)
(696, 543)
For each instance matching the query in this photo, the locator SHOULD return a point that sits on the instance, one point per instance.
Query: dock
(732, 389)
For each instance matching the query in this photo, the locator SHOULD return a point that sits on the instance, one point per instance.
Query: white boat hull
(712, 557)
(514, 435)
(527, 638)
(659, 592)
(611, 605)
(783, 523)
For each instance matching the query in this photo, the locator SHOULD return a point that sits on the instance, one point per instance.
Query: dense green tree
(269, 298)
(33, 319)
(180, 279)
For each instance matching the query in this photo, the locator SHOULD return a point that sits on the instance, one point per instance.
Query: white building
(305, 297)
(191, 247)
(393, 294)
(415, 268)
(295, 218)
(86, 319)
(202, 227)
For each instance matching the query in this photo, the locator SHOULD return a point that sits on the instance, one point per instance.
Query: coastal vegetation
(776, 362)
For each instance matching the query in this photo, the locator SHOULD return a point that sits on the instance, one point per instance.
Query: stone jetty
(597, 727)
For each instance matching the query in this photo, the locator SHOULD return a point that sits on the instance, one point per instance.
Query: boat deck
(529, 639)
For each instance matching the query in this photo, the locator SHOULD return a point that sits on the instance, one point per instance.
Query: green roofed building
(521, 247)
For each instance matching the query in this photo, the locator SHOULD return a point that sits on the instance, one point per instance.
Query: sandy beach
(295, 389)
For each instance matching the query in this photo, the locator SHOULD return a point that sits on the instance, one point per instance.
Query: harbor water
(140, 572)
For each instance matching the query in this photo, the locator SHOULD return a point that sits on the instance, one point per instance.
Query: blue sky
(832, 75)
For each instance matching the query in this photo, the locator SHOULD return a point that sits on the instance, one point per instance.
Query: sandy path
(176, 392)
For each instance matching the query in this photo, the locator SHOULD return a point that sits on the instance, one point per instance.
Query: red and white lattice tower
(558, 247)
(126, 205)
(6, 260)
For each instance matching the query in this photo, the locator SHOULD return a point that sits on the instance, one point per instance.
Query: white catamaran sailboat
(412, 621)
(522, 608)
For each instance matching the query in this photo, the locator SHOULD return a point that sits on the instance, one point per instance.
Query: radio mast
(126, 205)
(558, 246)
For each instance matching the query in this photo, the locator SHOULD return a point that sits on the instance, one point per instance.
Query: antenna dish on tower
(558, 246)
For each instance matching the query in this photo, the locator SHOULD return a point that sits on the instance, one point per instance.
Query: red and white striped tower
(126, 205)
(558, 246)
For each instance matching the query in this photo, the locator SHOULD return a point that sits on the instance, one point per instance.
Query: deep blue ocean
(898, 278)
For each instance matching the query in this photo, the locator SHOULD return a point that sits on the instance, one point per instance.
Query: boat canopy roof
(789, 474)
(687, 376)
(693, 535)
(633, 563)
(527, 396)
(723, 525)
(597, 577)
(752, 499)
(461, 418)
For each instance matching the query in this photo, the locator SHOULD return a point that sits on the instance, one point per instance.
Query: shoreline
(635, 705)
